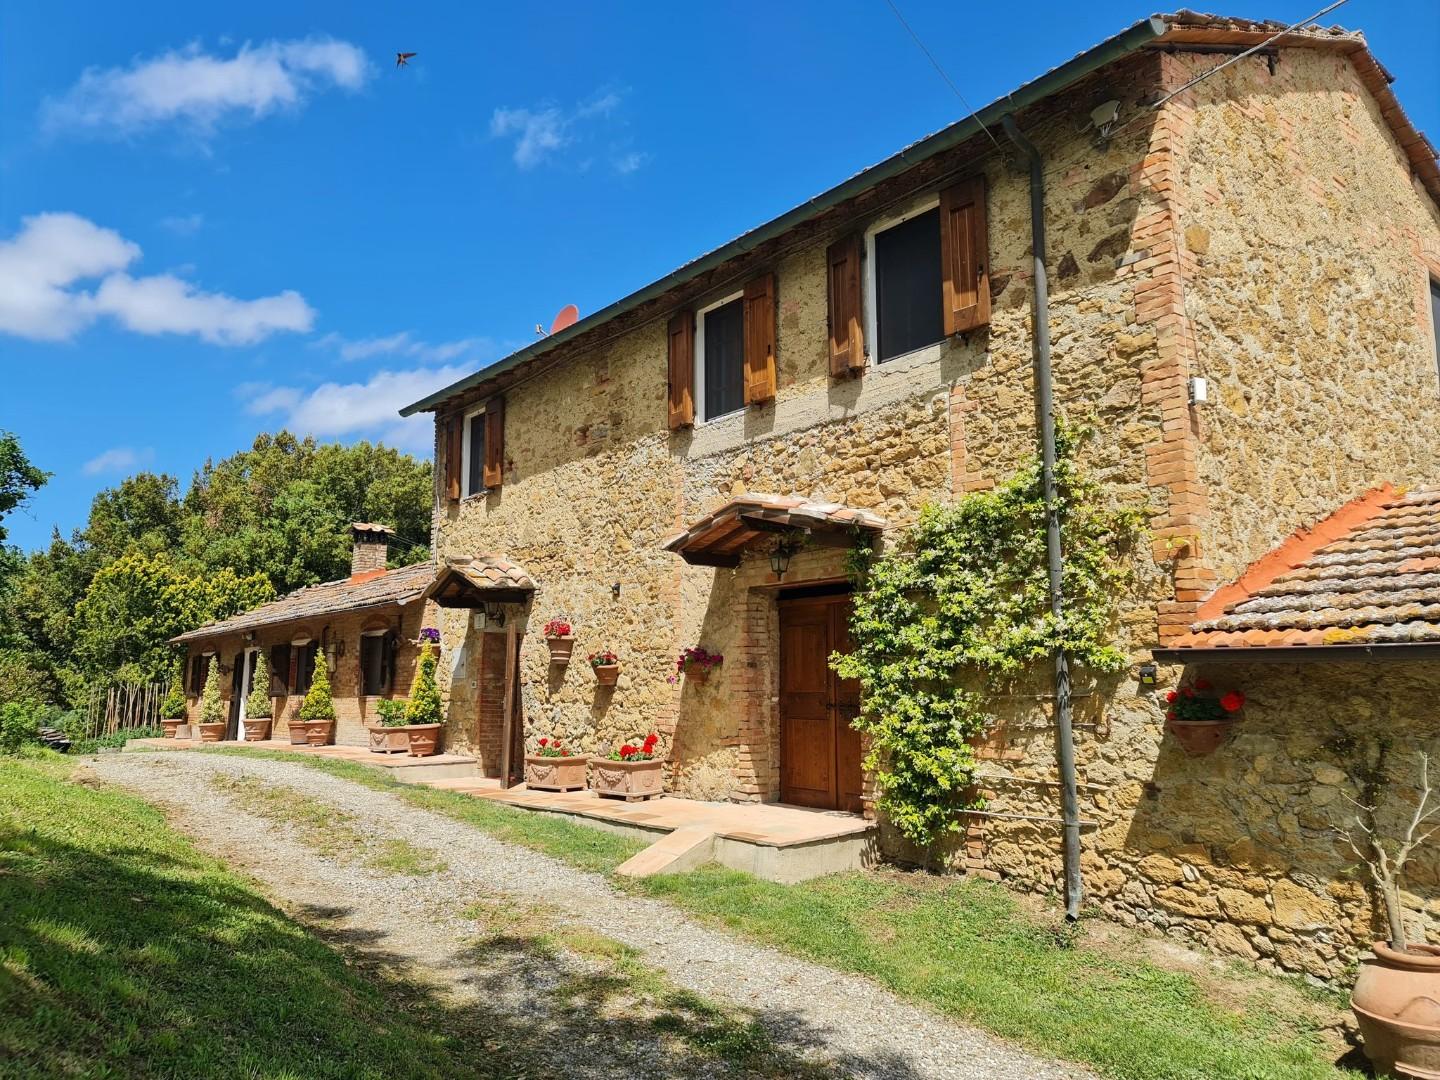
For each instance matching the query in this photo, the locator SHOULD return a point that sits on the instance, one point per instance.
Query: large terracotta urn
(1397, 1003)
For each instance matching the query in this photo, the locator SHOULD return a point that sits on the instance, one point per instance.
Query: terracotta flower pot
(171, 727)
(388, 740)
(1397, 1003)
(212, 732)
(185, 731)
(698, 674)
(317, 732)
(297, 732)
(560, 649)
(606, 674)
(258, 730)
(424, 739)
(1199, 737)
(628, 780)
(555, 773)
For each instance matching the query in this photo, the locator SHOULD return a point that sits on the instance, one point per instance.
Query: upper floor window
(374, 662)
(906, 306)
(1435, 315)
(474, 452)
(720, 357)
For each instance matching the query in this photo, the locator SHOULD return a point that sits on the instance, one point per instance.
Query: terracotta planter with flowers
(258, 730)
(424, 739)
(606, 666)
(553, 768)
(632, 773)
(1199, 719)
(214, 732)
(317, 732)
(560, 639)
(695, 664)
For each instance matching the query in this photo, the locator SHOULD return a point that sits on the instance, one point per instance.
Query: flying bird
(402, 59)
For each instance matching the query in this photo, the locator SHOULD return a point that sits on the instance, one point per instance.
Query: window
(199, 671)
(475, 453)
(1435, 315)
(374, 662)
(906, 306)
(304, 664)
(720, 358)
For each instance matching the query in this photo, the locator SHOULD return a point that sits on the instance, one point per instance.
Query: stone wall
(341, 636)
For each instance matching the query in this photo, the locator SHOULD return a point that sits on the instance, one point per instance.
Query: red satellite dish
(569, 316)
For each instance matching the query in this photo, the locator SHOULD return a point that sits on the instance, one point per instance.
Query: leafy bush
(114, 740)
(392, 711)
(424, 706)
(318, 704)
(211, 710)
(260, 705)
(19, 726)
(173, 707)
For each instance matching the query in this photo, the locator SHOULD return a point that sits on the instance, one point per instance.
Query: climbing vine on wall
(958, 610)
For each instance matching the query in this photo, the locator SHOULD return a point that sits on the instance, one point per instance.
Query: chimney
(371, 546)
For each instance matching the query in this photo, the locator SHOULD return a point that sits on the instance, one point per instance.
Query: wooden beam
(706, 558)
(507, 723)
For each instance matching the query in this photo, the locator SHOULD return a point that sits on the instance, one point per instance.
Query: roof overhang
(474, 582)
(1287, 654)
(719, 538)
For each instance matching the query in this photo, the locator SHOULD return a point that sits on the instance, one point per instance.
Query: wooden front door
(819, 750)
(237, 697)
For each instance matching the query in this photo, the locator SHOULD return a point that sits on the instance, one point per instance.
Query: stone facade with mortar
(1224, 237)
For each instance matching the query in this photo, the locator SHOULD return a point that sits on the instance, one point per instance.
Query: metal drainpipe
(1045, 417)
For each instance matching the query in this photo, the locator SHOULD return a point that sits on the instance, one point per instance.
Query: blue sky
(221, 219)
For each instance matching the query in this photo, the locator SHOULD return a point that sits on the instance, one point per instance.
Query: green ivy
(959, 610)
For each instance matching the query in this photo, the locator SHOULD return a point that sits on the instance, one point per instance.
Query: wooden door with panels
(819, 750)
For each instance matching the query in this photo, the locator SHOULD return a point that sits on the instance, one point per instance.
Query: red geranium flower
(544, 742)
(1169, 714)
(1233, 701)
(564, 752)
(1185, 691)
(1202, 684)
(1171, 696)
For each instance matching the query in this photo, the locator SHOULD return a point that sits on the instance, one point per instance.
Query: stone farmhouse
(1242, 257)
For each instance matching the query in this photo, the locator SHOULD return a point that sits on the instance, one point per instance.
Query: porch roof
(719, 537)
(464, 582)
(1366, 579)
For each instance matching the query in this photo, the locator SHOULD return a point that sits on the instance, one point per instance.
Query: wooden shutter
(964, 256)
(681, 369)
(494, 470)
(279, 670)
(760, 339)
(843, 314)
(454, 451)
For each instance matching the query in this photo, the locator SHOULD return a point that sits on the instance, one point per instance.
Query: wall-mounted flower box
(560, 639)
(606, 666)
(695, 664)
(1199, 719)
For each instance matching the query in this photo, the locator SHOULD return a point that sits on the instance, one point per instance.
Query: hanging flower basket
(1199, 719)
(695, 664)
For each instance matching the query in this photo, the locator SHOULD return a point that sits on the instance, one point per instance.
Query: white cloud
(402, 344)
(39, 299)
(183, 224)
(117, 459)
(542, 130)
(367, 408)
(625, 164)
(199, 89)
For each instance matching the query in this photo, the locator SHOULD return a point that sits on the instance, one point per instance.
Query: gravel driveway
(838, 1024)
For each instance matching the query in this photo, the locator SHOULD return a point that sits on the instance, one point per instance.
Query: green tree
(259, 705)
(18, 478)
(318, 705)
(173, 707)
(424, 706)
(211, 709)
(137, 603)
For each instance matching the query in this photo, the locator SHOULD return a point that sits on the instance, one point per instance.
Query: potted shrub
(560, 637)
(631, 773)
(606, 666)
(212, 711)
(173, 713)
(553, 768)
(1397, 993)
(1199, 718)
(695, 664)
(389, 735)
(424, 715)
(259, 706)
(317, 711)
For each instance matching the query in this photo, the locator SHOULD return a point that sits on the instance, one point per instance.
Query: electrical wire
(936, 65)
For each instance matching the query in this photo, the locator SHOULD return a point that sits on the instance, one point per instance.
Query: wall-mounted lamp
(615, 590)
(781, 553)
(495, 613)
(1148, 675)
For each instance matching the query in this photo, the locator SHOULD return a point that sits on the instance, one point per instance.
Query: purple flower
(430, 634)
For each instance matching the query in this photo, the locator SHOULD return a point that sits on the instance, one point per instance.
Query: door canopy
(483, 579)
(719, 538)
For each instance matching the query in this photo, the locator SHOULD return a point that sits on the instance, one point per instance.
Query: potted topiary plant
(606, 666)
(1397, 993)
(212, 711)
(259, 706)
(389, 736)
(173, 713)
(695, 664)
(1200, 719)
(317, 711)
(560, 638)
(631, 773)
(424, 714)
(553, 768)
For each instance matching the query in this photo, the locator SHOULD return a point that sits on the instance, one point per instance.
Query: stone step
(684, 849)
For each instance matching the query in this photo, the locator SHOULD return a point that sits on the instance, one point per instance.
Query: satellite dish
(569, 316)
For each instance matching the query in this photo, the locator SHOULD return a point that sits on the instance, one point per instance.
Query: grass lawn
(969, 949)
